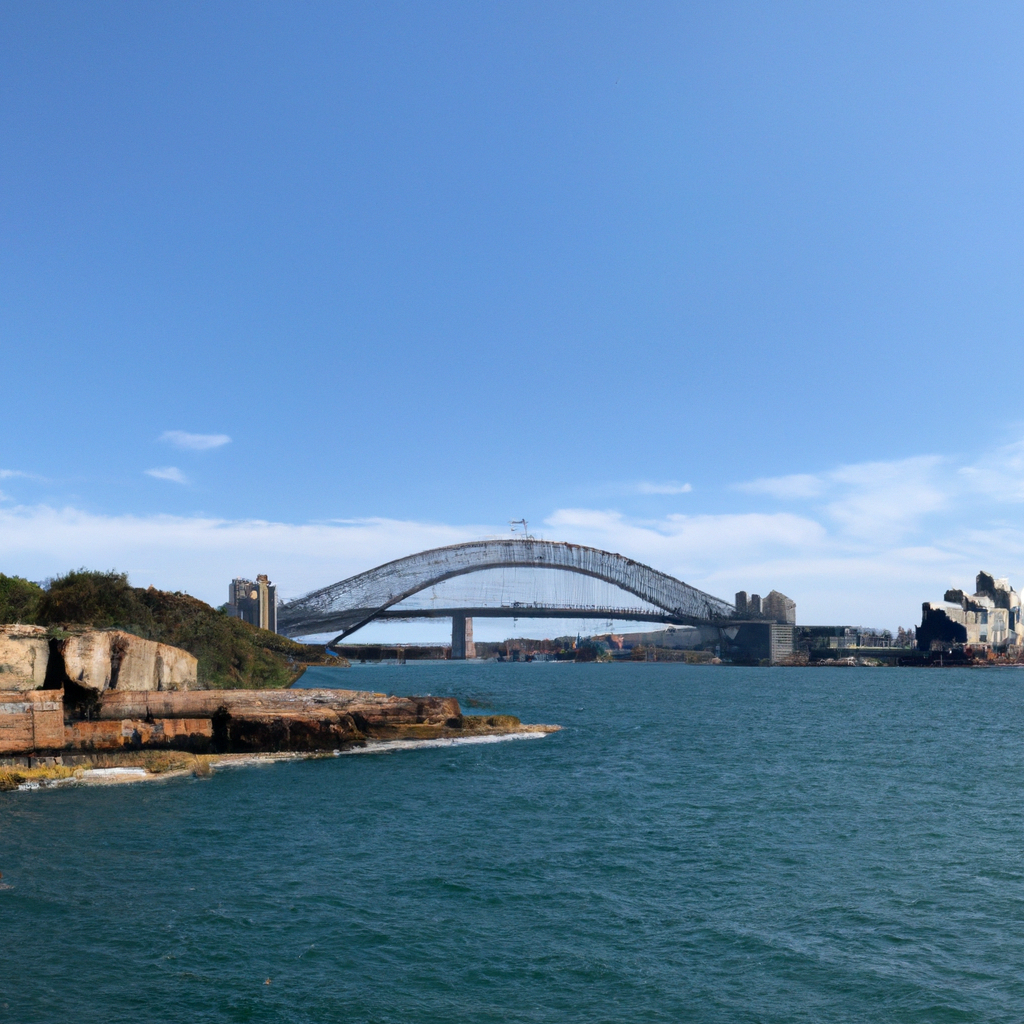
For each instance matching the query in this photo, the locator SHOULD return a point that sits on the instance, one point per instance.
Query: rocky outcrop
(261, 720)
(96, 660)
(376, 708)
(195, 734)
(87, 660)
(100, 660)
(31, 720)
(231, 721)
(104, 691)
(24, 655)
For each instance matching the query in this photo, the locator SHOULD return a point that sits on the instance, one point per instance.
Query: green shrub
(100, 599)
(19, 599)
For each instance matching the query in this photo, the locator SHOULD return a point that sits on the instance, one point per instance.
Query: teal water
(698, 844)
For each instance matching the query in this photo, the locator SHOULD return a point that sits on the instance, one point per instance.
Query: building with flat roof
(254, 602)
(775, 607)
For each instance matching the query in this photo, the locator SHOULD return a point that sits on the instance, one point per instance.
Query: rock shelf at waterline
(162, 766)
(45, 729)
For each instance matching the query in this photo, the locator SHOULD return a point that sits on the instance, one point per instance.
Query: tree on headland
(100, 599)
(19, 599)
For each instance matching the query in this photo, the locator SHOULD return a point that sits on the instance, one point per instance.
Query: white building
(990, 617)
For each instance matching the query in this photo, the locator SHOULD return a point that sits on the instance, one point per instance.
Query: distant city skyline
(731, 289)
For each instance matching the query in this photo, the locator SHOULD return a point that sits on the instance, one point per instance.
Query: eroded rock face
(31, 720)
(146, 665)
(24, 655)
(108, 660)
(87, 660)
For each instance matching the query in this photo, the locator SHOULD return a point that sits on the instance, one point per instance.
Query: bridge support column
(462, 638)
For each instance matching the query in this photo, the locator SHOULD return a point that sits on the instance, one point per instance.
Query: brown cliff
(92, 660)
(101, 660)
(24, 656)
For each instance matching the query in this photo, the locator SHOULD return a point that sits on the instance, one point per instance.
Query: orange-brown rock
(179, 733)
(24, 655)
(245, 720)
(100, 660)
(229, 721)
(375, 708)
(31, 720)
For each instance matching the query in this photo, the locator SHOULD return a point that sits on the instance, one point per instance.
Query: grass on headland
(155, 762)
(12, 778)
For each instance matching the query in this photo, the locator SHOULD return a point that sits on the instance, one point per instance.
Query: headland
(97, 682)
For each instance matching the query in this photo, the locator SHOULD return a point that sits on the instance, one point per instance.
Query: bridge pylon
(462, 638)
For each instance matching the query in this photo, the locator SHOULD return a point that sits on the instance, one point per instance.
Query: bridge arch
(350, 604)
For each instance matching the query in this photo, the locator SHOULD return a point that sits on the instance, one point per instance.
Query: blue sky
(731, 288)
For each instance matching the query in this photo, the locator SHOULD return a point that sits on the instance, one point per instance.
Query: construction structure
(254, 602)
(634, 592)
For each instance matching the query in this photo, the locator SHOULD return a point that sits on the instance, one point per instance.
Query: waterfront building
(762, 632)
(254, 602)
(776, 607)
(990, 617)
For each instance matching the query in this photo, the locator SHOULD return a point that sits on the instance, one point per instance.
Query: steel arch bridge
(344, 607)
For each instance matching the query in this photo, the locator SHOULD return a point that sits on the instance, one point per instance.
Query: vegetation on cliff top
(19, 599)
(232, 654)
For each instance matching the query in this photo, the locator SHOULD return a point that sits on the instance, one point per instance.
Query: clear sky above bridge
(734, 289)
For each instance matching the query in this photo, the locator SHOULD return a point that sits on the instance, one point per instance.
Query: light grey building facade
(254, 602)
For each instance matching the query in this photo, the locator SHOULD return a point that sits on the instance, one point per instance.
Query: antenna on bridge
(516, 523)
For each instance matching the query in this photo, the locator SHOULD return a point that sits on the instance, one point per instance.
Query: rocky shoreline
(112, 702)
(39, 729)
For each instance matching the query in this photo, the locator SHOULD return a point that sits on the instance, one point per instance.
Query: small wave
(389, 746)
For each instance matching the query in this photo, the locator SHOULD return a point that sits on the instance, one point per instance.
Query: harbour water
(698, 844)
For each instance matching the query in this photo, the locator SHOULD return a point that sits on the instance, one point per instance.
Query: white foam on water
(390, 746)
(91, 775)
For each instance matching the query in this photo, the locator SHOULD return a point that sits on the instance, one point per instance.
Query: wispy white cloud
(859, 544)
(798, 485)
(646, 487)
(998, 475)
(703, 536)
(194, 442)
(833, 577)
(869, 498)
(199, 554)
(10, 474)
(889, 499)
(171, 473)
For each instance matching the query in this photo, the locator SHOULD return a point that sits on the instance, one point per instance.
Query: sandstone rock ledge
(36, 724)
(93, 660)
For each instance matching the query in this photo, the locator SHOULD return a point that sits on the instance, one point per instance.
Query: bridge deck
(540, 612)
